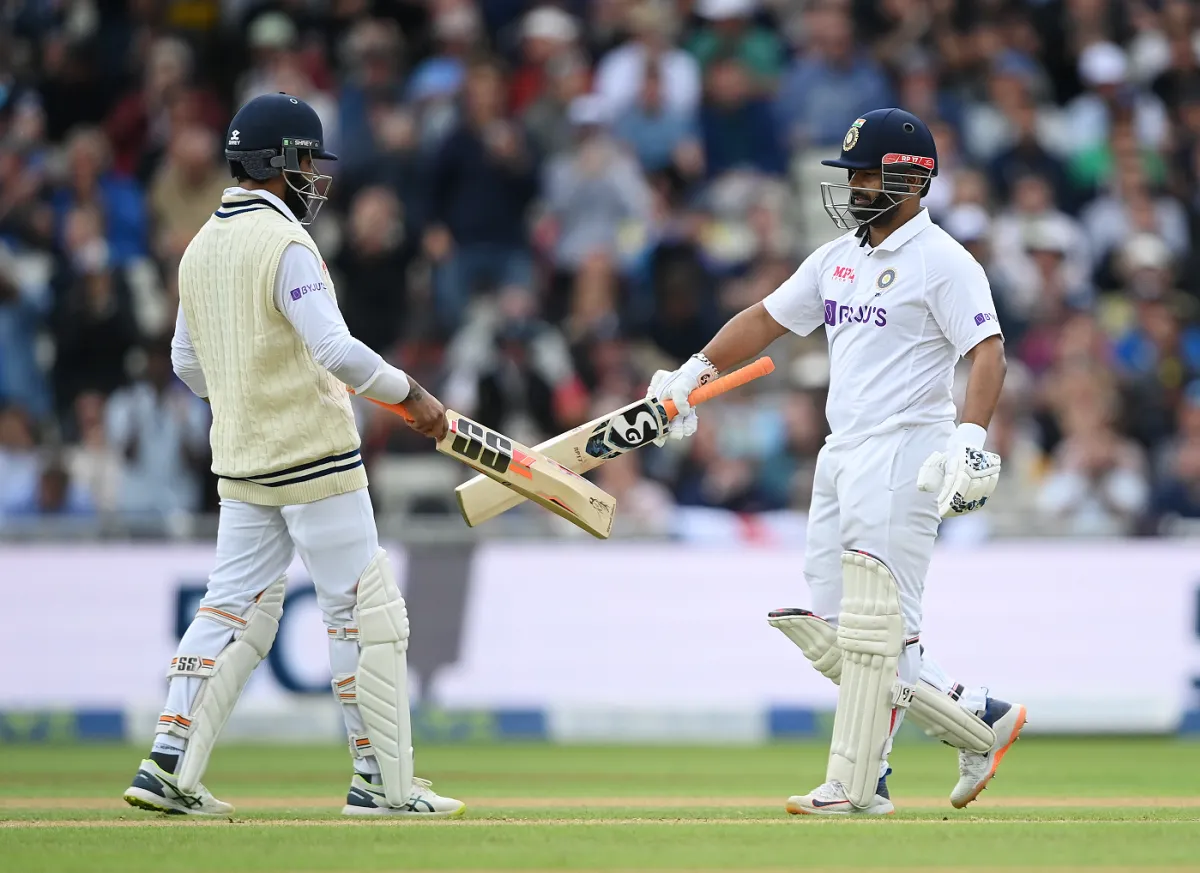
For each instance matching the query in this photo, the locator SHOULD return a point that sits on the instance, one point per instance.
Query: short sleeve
(797, 303)
(960, 299)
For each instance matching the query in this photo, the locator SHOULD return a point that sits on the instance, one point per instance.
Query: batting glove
(676, 386)
(964, 476)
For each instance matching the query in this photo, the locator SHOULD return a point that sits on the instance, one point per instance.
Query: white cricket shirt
(897, 318)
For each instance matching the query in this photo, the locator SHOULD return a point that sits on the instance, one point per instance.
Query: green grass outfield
(1066, 805)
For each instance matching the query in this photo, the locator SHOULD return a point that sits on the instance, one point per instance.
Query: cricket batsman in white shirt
(901, 302)
(260, 336)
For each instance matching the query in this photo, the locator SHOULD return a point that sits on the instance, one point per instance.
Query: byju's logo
(835, 315)
(981, 317)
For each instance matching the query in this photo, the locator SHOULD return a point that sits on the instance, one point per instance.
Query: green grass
(1131, 804)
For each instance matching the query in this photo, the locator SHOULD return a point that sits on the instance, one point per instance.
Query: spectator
(456, 32)
(514, 371)
(161, 429)
(91, 182)
(1178, 491)
(19, 465)
(95, 466)
(738, 128)
(547, 34)
(1097, 483)
(94, 327)
(730, 32)
(1029, 215)
(372, 50)
(1028, 156)
(1103, 69)
(140, 125)
(546, 121)
(1131, 208)
(186, 190)
(647, 509)
(482, 183)
(830, 84)
(592, 192)
(663, 139)
(373, 269)
(621, 74)
(23, 308)
(53, 495)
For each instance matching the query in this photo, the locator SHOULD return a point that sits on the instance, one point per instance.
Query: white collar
(905, 232)
(239, 191)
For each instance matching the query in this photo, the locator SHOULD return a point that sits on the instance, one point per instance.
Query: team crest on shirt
(885, 279)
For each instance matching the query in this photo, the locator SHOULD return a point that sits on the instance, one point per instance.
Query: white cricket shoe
(975, 771)
(366, 798)
(831, 799)
(157, 790)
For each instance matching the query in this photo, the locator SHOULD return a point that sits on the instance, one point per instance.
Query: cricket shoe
(831, 799)
(975, 771)
(366, 798)
(157, 790)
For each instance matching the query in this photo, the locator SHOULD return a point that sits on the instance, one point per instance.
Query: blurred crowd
(539, 203)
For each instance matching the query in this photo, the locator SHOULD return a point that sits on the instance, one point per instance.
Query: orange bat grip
(728, 382)
(397, 408)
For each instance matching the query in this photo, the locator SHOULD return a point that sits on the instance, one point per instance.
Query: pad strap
(938, 714)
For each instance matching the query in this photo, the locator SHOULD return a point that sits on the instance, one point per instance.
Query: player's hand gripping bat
(603, 439)
(527, 472)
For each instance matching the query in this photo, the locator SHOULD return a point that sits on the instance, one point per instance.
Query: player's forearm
(744, 336)
(988, 367)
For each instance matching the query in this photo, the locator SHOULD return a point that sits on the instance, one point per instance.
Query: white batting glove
(676, 386)
(964, 476)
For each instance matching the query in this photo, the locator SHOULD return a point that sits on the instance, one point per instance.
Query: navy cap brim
(843, 164)
(323, 155)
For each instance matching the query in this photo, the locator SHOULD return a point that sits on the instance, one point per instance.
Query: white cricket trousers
(865, 498)
(336, 539)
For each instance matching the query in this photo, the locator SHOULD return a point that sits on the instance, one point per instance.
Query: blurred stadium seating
(540, 203)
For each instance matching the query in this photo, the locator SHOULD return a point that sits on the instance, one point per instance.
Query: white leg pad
(871, 637)
(934, 712)
(225, 676)
(381, 683)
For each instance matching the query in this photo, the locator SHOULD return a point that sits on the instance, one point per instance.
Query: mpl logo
(844, 274)
(836, 315)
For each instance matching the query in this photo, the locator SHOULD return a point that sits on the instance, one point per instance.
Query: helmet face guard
(310, 186)
(897, 172)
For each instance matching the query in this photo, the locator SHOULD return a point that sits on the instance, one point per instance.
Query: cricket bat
(529, 474)
(590, 445)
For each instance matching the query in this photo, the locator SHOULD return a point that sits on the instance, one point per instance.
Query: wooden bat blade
(526, 473)
(529, 474)
(588, 446)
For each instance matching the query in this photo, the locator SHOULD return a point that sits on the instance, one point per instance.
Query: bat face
(627, 429)
(530, 475)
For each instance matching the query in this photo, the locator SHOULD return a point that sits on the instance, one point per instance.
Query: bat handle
(728, 382)
(397, 408)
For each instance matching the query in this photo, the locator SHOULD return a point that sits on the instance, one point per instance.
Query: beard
(864, 208)
(296, 203)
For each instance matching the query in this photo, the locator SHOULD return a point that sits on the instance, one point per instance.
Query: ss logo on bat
(476, 443)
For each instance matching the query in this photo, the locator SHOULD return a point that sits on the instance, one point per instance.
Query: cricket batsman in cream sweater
(260, 336)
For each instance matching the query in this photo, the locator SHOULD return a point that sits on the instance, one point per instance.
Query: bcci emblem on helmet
(851, 138)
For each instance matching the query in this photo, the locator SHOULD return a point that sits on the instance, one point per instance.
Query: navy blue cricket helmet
(896, 143)
(267, 139)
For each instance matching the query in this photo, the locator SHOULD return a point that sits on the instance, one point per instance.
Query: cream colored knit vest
(283, 431)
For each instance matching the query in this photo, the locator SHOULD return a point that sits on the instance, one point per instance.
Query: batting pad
(381, 683)
(224, 678)
(931, 710)
(871, 636)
